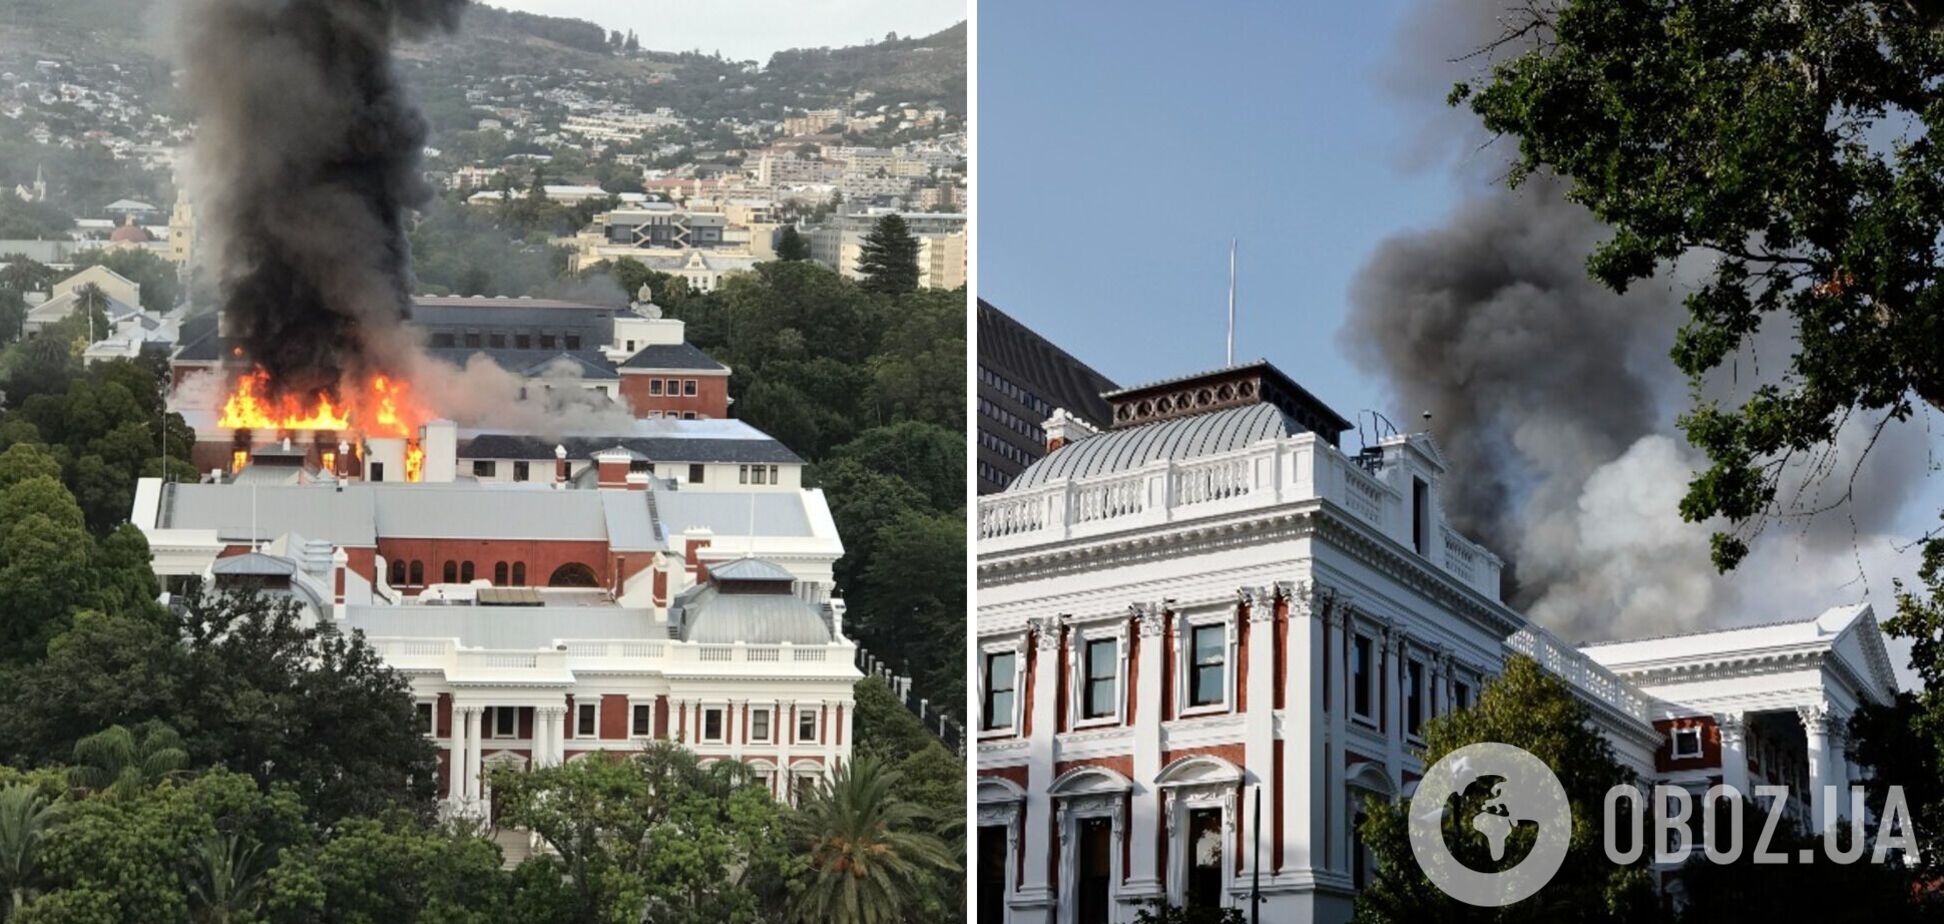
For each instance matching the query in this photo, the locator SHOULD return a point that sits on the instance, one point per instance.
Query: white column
(1394, 653)
(1039, 763)
(1734, 752)
(1305, 772)
(1338, 626)
(1258, 606)
(1839, 775)
(1150, 623)
(456, 756)
(474, 719)
(783, 731)
(1815, 726)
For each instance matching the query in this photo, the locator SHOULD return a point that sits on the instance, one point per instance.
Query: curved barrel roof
(1180, 439)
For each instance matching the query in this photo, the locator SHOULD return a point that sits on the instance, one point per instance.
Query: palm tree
(223, 877)
(119, 762)
(866, 853)
(25, 817)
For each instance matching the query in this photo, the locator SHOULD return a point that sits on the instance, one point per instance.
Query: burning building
(1208, 605)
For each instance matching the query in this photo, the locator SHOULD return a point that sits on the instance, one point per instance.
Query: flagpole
(1231, 305)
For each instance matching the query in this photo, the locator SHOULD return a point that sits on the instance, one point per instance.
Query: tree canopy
(889, 258)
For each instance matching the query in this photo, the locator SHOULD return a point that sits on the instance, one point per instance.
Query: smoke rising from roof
(306, 159)
(1555, 400)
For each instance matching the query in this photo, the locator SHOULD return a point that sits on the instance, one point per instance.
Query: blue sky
(1122, 144)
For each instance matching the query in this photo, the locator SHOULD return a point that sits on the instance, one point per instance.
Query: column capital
(1150, 619)
(469, 708)
(1733, 727)
(1046, 629)
(552, 710)
(1815, 719)
(1261, 602)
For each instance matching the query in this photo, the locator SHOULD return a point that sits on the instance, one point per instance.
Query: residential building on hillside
(1023, 380)
(1209, 605)
(839, 242)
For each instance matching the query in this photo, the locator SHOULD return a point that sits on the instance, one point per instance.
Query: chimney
(613, 465)
(1063, 428)
(560, 466)
(638, 481)
(693, 542)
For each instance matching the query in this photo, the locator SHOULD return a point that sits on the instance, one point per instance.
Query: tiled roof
(679, 356)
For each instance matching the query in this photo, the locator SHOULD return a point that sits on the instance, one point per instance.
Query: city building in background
(1023, 380)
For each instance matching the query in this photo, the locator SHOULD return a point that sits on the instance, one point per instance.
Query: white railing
(1461, 556)
(1007, 516)
(716, 653)
(1216, 480)
(1107, 500)
(596, 654)
(1579, 671)
(808, 654)
(1363, 495)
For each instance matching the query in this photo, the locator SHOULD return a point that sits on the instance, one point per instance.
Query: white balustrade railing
(1219, 479)
(595, 654)
(1579, 671)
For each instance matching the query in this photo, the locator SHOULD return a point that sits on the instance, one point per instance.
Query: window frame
(635, 713)
(1365, 689)
(1187, 669)
(587, 707)
(990, 724)
(431, 725)
(1082, 640)
(812, 715)
(1674, 742)
(768, 714)
(722, 725)
(493, 730)
(1414, 680)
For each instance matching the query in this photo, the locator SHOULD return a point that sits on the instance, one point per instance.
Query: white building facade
(1209, 608)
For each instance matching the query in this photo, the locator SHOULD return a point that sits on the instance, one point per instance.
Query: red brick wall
(541, 556)
(1664, 761)
(661, 717)
(615, 716)
(711, 397)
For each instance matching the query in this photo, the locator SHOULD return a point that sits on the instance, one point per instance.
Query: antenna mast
(1231, 316)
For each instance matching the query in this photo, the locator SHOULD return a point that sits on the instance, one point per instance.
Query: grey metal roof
(1180, 439)
(750, 569)
(661, 448)
(682, 356)
(430, 511)
(506, 628)
(344, 518)
(254, 563)
(709, 616)
(595, 366)
(630, 519)
(198, 341)
(587, 366)
(774, 513)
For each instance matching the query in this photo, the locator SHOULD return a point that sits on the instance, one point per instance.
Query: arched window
(519, 574)
(418, 573)
(573, 574)
(398, 572)
(499, 574)
(451, 575)
(466, 573)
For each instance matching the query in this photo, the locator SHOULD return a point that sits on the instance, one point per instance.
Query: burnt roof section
(1064, 381)
(669, 448)
(1256, 382)
(198, 341)
(684, 356)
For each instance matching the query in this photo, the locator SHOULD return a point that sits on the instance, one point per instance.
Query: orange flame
(246, 408)
(381, 406)
(414, 461)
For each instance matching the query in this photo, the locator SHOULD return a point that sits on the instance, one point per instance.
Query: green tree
(224, 876)
(161, 283)
(656, 838)
(889, 258)
(910, 605)
(120, 763)
(393, 870)
(791, 246)
(1792, 146)
(25, 817)
(1531, 709)
(865, 850)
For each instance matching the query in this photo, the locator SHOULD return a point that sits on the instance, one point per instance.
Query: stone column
(1815, 726)
(1338, 626)
(1839, 771)
(1150, 623)
(1034, 886)
(475, 717)
(1258, 606)
(1305, 766)
(456, 759)
(1394, 649)
(1734, 752)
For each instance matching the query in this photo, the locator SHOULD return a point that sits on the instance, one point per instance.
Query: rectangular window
(444, 340)
(674, 386)
(506, 721)
(742, 474)
(688, 387)
(1687, 742)
(1414, 694)
(712, 724)
(521, 471)
(496, 340)
(1421, 516)
(523, 341)
(472, 338)
(1461, 695)
(425, 715)
(759, 725)
(806, 725)
(654, 386)
(773, 478)
(546, 341)
(1208, 670)
(631, 346)
(1360, 674)
(758, 475)
(1097, 700)
(573, 341)
(641, 720)
(688, 415)
(587, 720)
(377, 471)
(695, 473)
(999, 679)
(485, 468)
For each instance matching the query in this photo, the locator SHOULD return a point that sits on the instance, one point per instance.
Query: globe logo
(1525, 792)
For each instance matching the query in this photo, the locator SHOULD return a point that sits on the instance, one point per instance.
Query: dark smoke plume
(306, 159)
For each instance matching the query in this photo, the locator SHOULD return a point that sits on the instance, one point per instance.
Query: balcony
(1291, 470)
